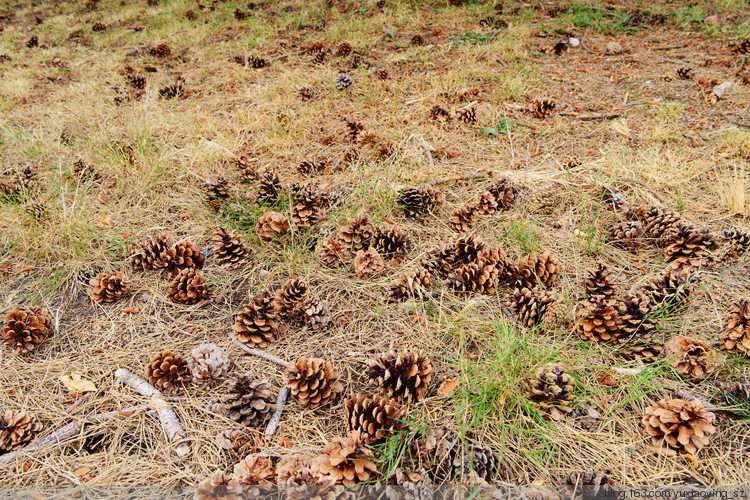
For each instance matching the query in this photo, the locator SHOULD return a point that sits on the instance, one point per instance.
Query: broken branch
(464, 177)
(276, 418)
(261, 354)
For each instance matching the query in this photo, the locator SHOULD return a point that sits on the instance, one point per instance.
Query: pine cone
(585, 485)
(258, 323)
(183, 255)
(231, 439)
(368, 263)
(466, 249)
(312, 381)
(738, 241)
(413, 284)
(538, 269)
(257, 62)
(485, 204)
(474, 277)
(671, 290)
(333, 252)
(357, 233)
(417, 40)
(269, 186)
(271, 225)
(38, 210)
(439, 114)
(504, 192)
(247, 401)
(597, 320)
(168, 372)
(25, 328)
(391, 243)
(439, 261)
(656, 221)
(230, 250)
(191, 15)
(344, 49)
(635, 316)
(217, 487)
(645, 349)
(382, 73)
(343, 81)
(317, 166)
(306, 92)
(598, 283)
(161, 50)
(375, 419)
(532, 305)
(108, 287)
(462, 219)
(405, 376)
(306, 211)
(685, 73)
(17, 428)
(542, 108)
(367, 138)
(84, 171)
(32, 42)
(418, 201)
(289, 297)
(174, 90)
(626, 234)
(78, 37)
(216, 192)
(691, 247)
(314, 313)
(741, 47)
(208, 363)
(690, 357)
(188, 287)
(468, 116)
(736, 334)
(482, 460)
(345, 460)
(253, 470)
(552, 390)
(295, 471)
(677, 425)
(150, 255)
(136, 80)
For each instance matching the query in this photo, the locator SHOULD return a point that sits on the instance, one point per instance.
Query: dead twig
(670, 47)
(589, 117)
(583, 42)
(464, 177)
(283, 56)
(276, 418)
(734, 122)
(429, 155)
(261, 354)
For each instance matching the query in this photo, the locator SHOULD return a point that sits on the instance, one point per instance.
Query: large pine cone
(314, 313)
(188, 287)
(230, 249)
(418, 201)
(671, 290)
(599, 282)
(635, 316)
(168, 372)
(597, 320)
(485, 204)
(541, 108)
(439, 261)
(25, 328)
(258, 323)
(271, 225)
(253, 470)
(368, 263)
(308, 205)
(736, 334)
(474, 277)
(208, 363)
(466, 249)
(536, 269)
(294, 470)
(405, 376)
(462, 219)
(333, 252)
(391, 243)
(480, 459)
(106, 287)
(269, 187)
(16, 429)
(656, 221)
(151, 254)
(677, 425)
(738, 241)
(357, 233)
(183, 255)
(375, 419)
(313, 381)
(551, 390)
(690, 357)
(415, 283)
(626, 234)
(532, 305)
(346, 460)
(289, 297)
(690, 247)
(504, 192)
(249, 402)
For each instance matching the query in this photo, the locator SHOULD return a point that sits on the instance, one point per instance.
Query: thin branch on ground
(276, 418)
(734, 122)
(260, 354)
(583, 42)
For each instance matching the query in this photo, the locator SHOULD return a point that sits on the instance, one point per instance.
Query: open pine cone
(289, 297)
(216, 192)
(635, 316)
(690, 357)
(677, 425)
(551, 390)
(308, 205)
(375, 418)
(690, 247)
(597, 320)
(313, 381)
(368, 263)
(230, 249)
(485, 204)
(474, 277)
(535, 269)
(542, 108)
(405, 376)
(247, 401)
(314, 313)
(357, 233)
(183, 255)
(532, 306)
(736, 334)
(346, 460)
(188, 287)
(271, 225)
(415, 283)
(504, 192)
(217, 487)
(391, 243)
(17, 428)
(738, 241)
(269, 186)
(671, 290)
(599, 282)
(626, 234)
(462, 219)
(333, 252)
(253, 470)
(258, 322)
(151, 254)
(106, 287)
(25, 328)
(208, 363)
(418, 201)
(168, 372)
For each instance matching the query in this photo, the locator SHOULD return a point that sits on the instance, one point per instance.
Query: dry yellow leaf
(76, 384)
(449, 385)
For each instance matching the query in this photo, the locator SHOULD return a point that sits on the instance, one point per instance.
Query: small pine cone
(635, 316)
(357, 233)
(258, 323)
(32, 42)
(108, 287)
(217, 487)
(293, 470)
(343, 81)
(99, 26)
(671, 290)
(505, 193)
(151, 254)
(391, 243)
(38, 210)
(468, 116)
(685, 73)
(308, 203)
(462, 219)
(319, 58)
(183, 255)
(312, 381)
(368, 263)
(552, 389)
(84, 171)
(485, 204)
(645, 349)
(136, 80)
(738, 241)
(440, 261)
(25, 328)
(333, 252)
(413, 284)
(538, 269)
(418, 201)
(367, 138)
(257, 62)
(382, 73)
(188, 287)
(17, 428)
(306, 92)
(439, 114)
(190, 15)
(677, 425)
(354, 128)
(599, 282)
(271, 225)
(78, 37)
(247, 401)
(216, 192)
(375, 419)
(241, 15)
(345, 460)
(308, 167)
(174, 90)
(230, 249)
(542, 108)
(289, 297)
(532, 305)
(231, 439)
(690, 357)
(626, 234)
(344, 49)
(691, 247)
(736, 334)
(479, 462)
(208, 363)
(417, 40)
(405, 376)
(597, 320)
(269, 186)
(656, 221)
(253, 470)
(314, 314)
(161, 50)
(741, 47)
(168, 372)
(474, 277)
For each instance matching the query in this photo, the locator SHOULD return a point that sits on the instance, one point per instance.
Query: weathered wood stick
(276, 418)
(261, 354)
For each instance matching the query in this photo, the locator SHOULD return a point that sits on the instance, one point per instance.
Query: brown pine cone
(367, 138)
(269, 186)
(738, 241)
(188, 287)
(626, 234)
(736, 334)
(439, 114)
(468, 116)
(391, 243)
(216, 192)
(316, 166)
(333, 252)
(466, 249)
(599, 282)
(691, 247)
(344, 49)
(37, 209)
(314, 313)
(294, 470)
(462, 219)
(532, 305)
(168, 372)
(656, 221)
(551, 390)
(346, 460)
(308, 205)
(536, 268)
(357, 233)
(368, 263)
(505, 193)
(690, 357)
(474, 277)
(84, 171)
(671, 290)
(597, 320)
(161, 50)
(405, 376)
(258, 323)
(413, 284)
(645, 349)
(208, 363)
(375, 419)
(183, 255)
(439, 261)
(253, 470)
(635, 317)
(313, 381)
(151, 254)
(217, 487)
(542, 108)
(289, 297)
(247, 401)
(25, 328)
(677, 425)
(485, 204)
(231, 439)
(418, 201)
(108, 287)
(17, 428)
(230, 249)
(271, 225)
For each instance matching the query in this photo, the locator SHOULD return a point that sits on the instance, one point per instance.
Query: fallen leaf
(82, 471)
(501, 399)
(692, 459)
(449, 385)
(129, 310)
(607, 379)
(124, 413)
(24, 269)
(75, 384)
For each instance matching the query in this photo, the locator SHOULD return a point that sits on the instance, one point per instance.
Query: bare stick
(464, 177)
(261, 354)
(67, 434)
(429, 155)
(276, 418)
(734, 122)
(670, 47)
(583, 42)
(167, 416)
